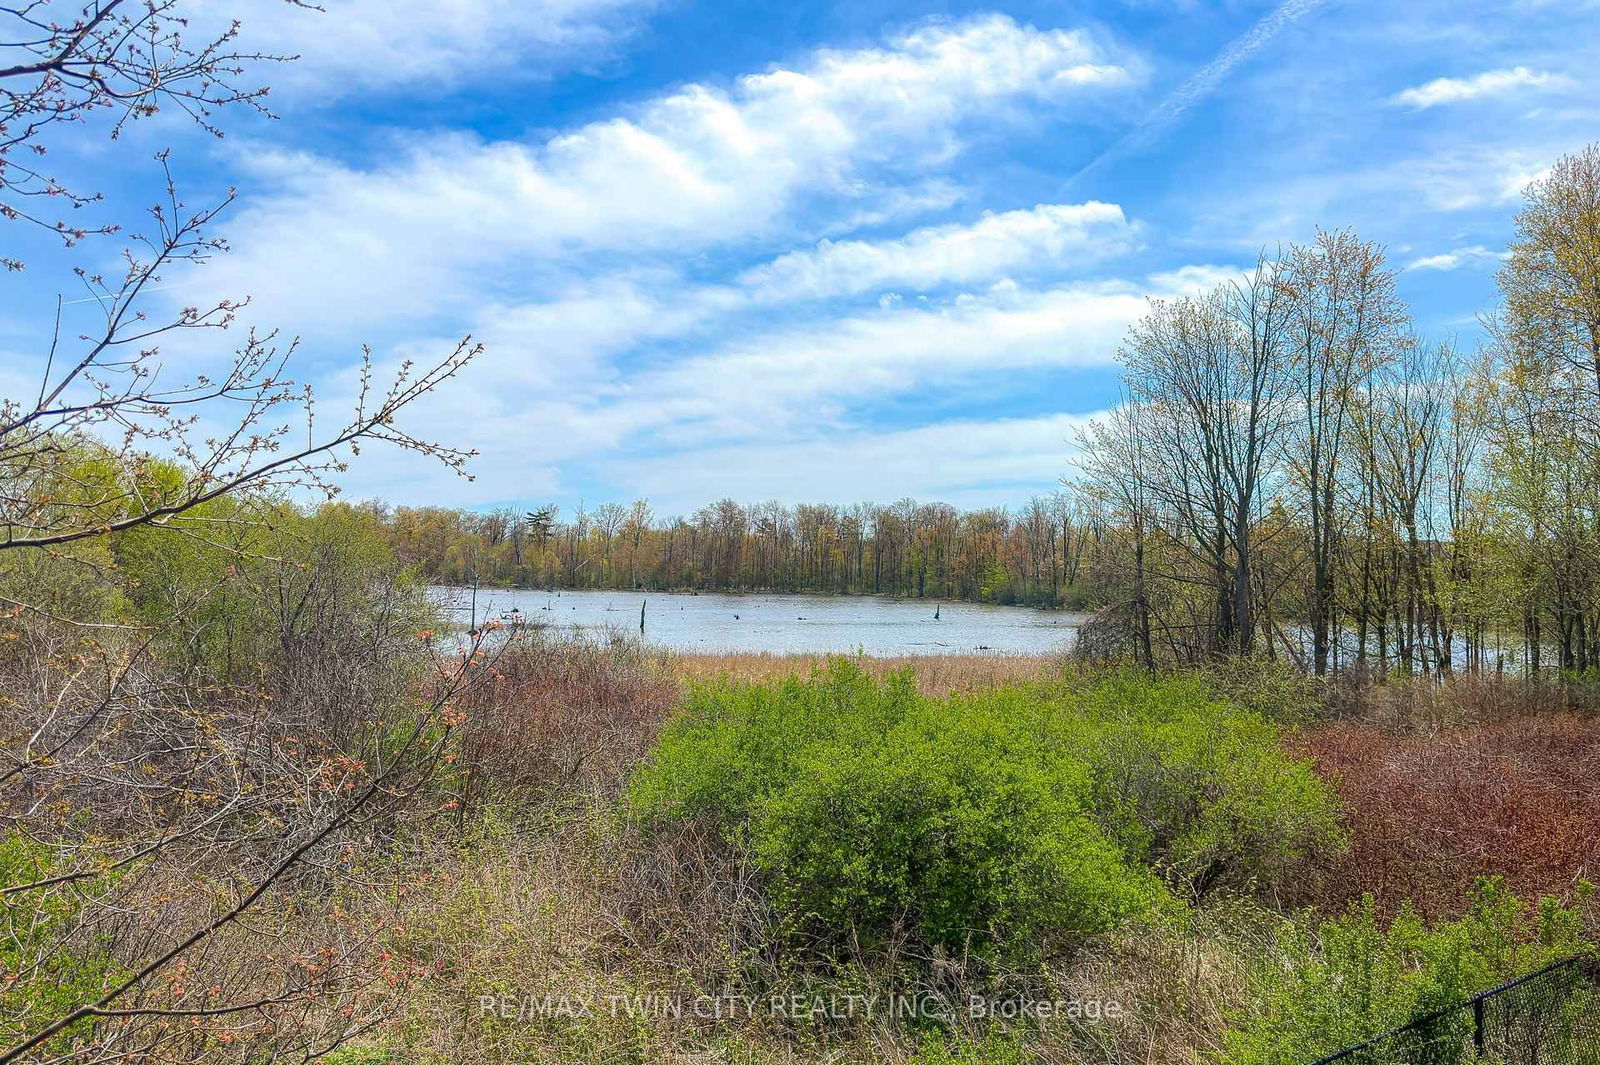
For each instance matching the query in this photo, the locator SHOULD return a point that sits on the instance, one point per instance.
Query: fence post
(1477, 1027)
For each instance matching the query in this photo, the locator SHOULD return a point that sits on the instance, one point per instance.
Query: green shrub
(1199, 788)
(264, 587)
(951, 823)
(993, 1050)
(733, 745)
(1331, 984)
(1006, 820)
(49, 964)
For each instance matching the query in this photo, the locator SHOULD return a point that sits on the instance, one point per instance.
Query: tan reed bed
(936, 674)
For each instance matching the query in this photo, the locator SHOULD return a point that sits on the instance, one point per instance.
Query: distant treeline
(1034, 555)
(1292, 471)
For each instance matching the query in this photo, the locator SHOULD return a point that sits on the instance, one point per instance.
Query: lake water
(782, 624)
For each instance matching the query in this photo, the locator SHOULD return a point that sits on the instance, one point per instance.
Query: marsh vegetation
(1323, 760)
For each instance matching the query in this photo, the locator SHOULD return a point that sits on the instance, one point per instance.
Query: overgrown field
(540, 848)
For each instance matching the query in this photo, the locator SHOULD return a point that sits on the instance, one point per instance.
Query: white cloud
(1489, 83)
(1476, 176)
(929, 258)
(575, 337)
(1475, 255)
(583, 372)
(967, 463)
(590, 322)
(807, 373)
(1515, 182)
(1194, 280)
(362, 45)
(532, 410)
(437, 223)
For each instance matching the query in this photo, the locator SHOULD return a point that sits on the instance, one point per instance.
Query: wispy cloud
(1206, 80)
(550, 386)
(980, 463)
(357, 46)
(957, 253)
(1475, 177)
(1489, 83)
(839, 133)
(1474, 255)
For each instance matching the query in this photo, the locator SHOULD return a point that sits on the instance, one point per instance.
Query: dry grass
(541, 891)
(1425, 703)
(558, 714)
(584, 908)
(936, 674)
(576, 912)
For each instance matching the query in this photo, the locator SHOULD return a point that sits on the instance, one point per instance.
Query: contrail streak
(1205, 81)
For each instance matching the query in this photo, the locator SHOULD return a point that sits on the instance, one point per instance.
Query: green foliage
(1002, 820)
(1197, 787)
(952, 822)
(993, 1050)
(254, 582)
(1346, 979)
(48, 964)
(70, 485)
(1274, 689)
(734, 744)
(67, 582)
(996, 586)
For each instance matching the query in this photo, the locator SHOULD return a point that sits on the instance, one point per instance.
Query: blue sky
(814, 251)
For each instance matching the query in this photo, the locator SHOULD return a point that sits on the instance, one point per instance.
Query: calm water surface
(782, 624)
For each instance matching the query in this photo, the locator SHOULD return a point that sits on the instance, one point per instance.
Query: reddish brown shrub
(561, 712)
(1426, 813)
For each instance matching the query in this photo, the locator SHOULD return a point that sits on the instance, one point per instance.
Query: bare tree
(1551, 280)
(1409, 411)
(1346, 322)
(1212, 370)
(121, 783)
(1116, 472)
(70, 63)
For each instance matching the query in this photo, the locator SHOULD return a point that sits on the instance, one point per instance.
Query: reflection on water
(781, 624)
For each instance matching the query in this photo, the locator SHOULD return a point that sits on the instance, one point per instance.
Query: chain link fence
(1549, 1017)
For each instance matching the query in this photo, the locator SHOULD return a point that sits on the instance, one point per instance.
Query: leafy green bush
(1000, 820)
(874, 809)
(1338, 982)
(1197, 787)
(734, 744)
(49, 964)
(949, 822)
